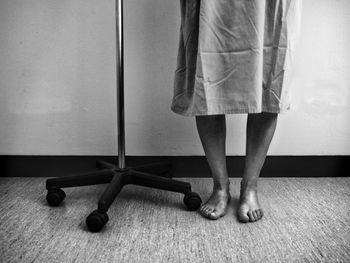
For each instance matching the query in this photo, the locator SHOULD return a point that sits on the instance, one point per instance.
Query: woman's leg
(212, 132)
(260, 130)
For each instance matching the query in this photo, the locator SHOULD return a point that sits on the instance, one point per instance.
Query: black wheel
(55, 196)
(192, 201)
(96, 220)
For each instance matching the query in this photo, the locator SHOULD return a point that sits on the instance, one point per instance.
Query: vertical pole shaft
(120, 83)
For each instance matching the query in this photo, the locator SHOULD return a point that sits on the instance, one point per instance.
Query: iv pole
(157, 175)
(120, 83)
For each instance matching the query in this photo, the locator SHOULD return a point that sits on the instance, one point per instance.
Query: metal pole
(120, 83)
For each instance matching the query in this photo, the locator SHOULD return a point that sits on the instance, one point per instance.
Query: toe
(202, 208)
(213, 215)
(210, 209)
(250, 215)
(256, 217)
(243, 217)
(205, 208)
(258, 213)
(204, 213)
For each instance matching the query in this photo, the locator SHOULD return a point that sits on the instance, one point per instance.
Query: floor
(305, 220)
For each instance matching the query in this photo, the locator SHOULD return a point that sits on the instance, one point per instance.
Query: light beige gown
(235, 56)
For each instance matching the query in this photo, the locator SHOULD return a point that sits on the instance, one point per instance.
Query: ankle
(251, 183)
(222, 185)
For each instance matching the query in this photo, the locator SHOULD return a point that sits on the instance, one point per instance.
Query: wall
(57, 81)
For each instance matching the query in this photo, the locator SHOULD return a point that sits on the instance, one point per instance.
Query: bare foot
(216, 205)
(249, 208)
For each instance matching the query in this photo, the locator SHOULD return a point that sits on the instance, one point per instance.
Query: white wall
(57, 81)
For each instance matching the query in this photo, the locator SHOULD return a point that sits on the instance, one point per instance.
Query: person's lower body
(212, 132)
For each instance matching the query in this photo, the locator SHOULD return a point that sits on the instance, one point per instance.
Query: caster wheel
(96, 220)
(55, 196)
(192, 201)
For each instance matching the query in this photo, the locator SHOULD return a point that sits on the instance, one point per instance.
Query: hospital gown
(235, 56)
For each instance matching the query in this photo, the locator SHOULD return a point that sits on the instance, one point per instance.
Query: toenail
(213, 215)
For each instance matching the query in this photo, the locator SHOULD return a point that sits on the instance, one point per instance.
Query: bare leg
(260, 130)
(212, 132)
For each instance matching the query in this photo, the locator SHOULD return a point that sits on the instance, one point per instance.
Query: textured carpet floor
(306, 220)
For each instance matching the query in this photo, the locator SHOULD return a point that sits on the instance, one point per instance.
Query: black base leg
(55, 195)
(154, 181)
(92, 178)
(191, 200)
(98, 218)
(111, 192)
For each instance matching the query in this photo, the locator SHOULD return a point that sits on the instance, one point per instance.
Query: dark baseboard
(183, 166)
